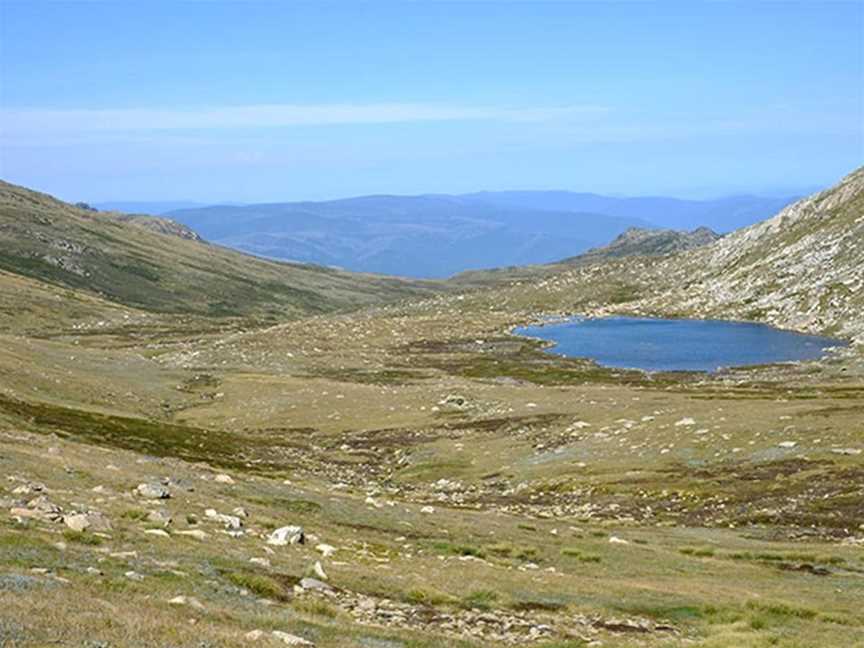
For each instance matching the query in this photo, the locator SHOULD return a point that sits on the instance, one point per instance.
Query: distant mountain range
(720, 214)
(438, 236)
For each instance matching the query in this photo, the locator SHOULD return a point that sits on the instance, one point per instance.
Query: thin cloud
(37, 120)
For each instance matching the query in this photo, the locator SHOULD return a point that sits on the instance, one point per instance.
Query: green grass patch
(82, 538)
(580, 555)
(259, 584)
(458, 549)
(480, 600)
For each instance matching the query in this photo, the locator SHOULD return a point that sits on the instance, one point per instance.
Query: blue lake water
(677, 345)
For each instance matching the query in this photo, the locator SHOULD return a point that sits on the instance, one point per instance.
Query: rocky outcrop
(637, 241)
(161, 225)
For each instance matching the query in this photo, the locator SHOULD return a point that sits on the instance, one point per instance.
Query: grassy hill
(146, 263)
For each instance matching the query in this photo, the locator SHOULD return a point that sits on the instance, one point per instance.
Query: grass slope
(127, 263)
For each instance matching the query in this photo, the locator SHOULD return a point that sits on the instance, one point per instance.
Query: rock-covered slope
(637, 241)
(802, 269)
(160, 266)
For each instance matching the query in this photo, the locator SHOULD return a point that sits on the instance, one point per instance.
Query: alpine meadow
(288, 298)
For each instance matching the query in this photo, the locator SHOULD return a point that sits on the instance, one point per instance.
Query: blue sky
(248, 101)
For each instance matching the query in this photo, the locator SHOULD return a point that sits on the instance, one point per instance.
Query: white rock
(286, 535)
(76, 521)
(254, 635)
(193, 533)
(230, 521)
(846, 451)
(291, 640)
(787, 444)
(427, 509)
(191, 601)
(319, 571)
(326, 549)
(223, 479)
(617, 540)
(152, 491)
(685, 421)
(161, 533)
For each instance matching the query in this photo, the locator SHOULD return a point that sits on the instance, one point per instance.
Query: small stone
(152, 491)
(193, 533)
(133, 575)
(254, 635)
(787, 444)
(191, 601)
(223, 479)
(427, 509)
(326, 549)
(319, 571)
(161, 533)
(292, 640)
(76, 521)
(314, 584)
(159, 517)
(230, 521)
(847, 451)
(286, 535)
(617, 540)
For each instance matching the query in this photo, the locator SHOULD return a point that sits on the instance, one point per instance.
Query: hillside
(158, 265)
(646, 242)
(802, 269)
(633, 242)
(415, 236)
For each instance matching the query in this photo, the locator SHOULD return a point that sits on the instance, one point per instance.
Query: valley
(166, 447)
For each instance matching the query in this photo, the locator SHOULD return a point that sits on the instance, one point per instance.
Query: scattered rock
(152, 491)
(230, 521)
(159, 517)
(161, 533)
(319, 571)
(315, 585)
(76, 521)
(326, 549)
(291, 640)
(191, 601)
(852, 452)
(287, 535)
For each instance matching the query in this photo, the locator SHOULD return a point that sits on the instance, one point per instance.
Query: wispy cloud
(37, 120)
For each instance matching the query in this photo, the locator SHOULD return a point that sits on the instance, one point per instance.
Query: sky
(268, 101)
